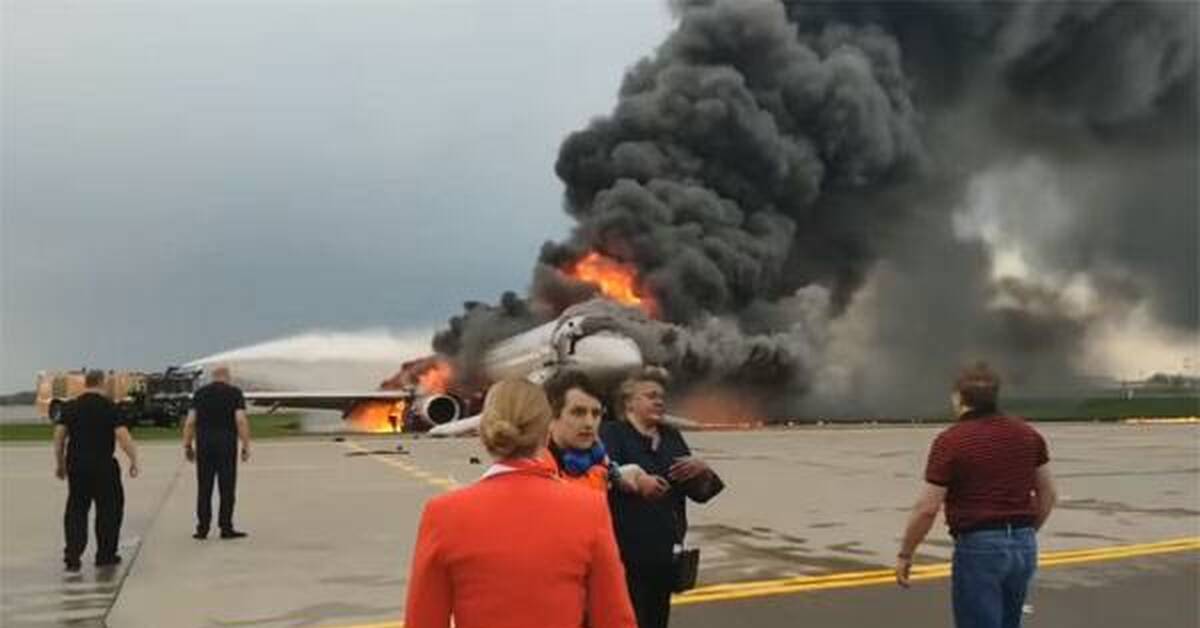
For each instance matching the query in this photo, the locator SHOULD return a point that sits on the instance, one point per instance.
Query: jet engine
(437, 409)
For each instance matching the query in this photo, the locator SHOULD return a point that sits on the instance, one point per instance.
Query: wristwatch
(614, 475)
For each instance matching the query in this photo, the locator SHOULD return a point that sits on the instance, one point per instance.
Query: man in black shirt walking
(216, 422)
(84, 442)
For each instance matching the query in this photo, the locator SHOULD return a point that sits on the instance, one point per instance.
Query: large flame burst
(377, 416)
(430, 375)
(437, 378)
(615, 280)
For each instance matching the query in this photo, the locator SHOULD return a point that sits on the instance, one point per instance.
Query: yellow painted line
(1119, 555)
(745, 590)
(927, 571)
(416, 472)
(1145, 548)
(1162, 421)
(784, 586)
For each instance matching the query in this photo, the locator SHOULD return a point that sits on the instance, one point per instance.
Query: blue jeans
(991, 571)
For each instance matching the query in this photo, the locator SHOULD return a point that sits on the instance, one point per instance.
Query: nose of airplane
(606, 352)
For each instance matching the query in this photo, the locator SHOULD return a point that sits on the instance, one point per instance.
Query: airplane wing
(324, 400)
(469, 425)
(461, 427)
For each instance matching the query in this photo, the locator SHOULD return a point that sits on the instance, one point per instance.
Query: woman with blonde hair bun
(515, 421)
(483, 549)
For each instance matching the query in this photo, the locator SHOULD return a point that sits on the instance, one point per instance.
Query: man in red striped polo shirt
(991, 472)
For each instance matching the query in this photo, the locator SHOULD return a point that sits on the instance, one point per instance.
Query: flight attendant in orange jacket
(520, 547)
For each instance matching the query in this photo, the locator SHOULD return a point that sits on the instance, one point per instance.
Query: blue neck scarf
(576, 462)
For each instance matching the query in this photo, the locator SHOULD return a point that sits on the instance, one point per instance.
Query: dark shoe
(110, 561)
(200, 534)
(72, 565)
(232, 534)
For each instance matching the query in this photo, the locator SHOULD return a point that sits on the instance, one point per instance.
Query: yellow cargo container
(55, 388)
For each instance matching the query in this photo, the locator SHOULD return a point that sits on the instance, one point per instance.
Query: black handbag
(686, 561)
(686, 565)
(703, 488)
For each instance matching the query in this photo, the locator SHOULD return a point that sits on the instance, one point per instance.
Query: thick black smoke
(740, 160)
(470, 334)
(818, 194)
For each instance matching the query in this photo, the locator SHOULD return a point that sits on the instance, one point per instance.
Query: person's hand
(686, 468)
(133, 470)
(903, 570)
(189, 453)
(245, 453)
(60, 472)
(651, 486)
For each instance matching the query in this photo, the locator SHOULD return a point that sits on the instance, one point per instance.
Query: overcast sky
(180, 178)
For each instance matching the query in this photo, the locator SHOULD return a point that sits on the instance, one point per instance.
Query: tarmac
(804, 534)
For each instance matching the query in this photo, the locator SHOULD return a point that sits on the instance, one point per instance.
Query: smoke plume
(836, 203)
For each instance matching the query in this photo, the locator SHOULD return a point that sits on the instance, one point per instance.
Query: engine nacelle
(437, 409)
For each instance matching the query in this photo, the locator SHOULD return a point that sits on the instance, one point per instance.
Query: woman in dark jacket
(650, 524)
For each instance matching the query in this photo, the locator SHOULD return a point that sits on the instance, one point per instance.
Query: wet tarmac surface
(332, 525)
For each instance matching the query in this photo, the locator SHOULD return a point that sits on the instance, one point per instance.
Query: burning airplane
(434, 394)
(828, 206)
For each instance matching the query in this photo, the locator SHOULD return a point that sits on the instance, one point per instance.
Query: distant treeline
(23, 398)
(1167, 383)
(1046, 408)
(1136, 406)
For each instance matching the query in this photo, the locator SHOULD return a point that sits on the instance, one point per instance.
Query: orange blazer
(521, 549)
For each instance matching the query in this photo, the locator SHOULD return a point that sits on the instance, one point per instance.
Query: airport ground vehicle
(159, 398)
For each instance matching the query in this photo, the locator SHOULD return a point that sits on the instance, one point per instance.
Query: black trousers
(217, 462)
(99, 483)
(650, 587)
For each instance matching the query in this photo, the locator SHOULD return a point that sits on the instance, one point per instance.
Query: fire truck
(159, 398)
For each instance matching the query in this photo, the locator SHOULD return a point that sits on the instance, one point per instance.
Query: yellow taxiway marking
(743, 590)
(1179, 420)
(783, 586)
(443, 483)
(1045, 558)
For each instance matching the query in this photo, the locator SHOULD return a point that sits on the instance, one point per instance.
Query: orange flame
(437, 378)
(616, 281)
(720, 409)
(377, 416)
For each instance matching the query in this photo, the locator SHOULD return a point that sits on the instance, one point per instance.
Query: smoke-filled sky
(835, 202)
(181, 178)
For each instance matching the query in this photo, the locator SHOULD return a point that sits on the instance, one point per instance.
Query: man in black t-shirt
(216, 422)
(84, 442)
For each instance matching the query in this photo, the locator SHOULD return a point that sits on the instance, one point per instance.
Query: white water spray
(323, 360)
